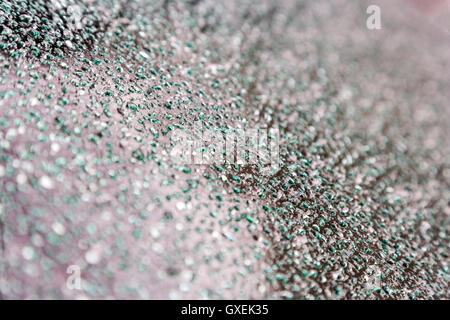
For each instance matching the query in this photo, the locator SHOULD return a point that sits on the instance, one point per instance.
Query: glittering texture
(91, 93)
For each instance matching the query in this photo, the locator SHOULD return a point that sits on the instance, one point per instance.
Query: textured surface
(91, 93)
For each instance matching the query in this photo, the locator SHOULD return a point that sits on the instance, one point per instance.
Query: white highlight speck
(21, 178)
(46, 182)
(145, 55)
(181, 205)
(154, 232)
(58, 228)
(28, 253)
(55, 147)
(93, 256)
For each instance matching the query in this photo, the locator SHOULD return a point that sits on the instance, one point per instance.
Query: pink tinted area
(138, 235)
(429, 6)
